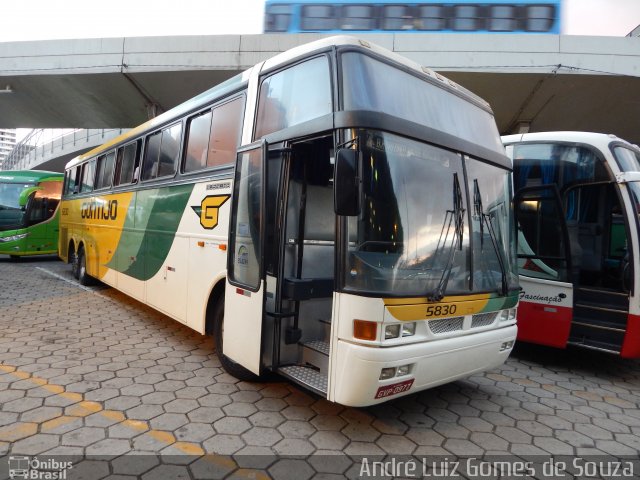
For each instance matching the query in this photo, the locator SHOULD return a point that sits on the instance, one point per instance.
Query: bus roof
(234, 83)
(29, 176)
(600, 140)
(405, 2)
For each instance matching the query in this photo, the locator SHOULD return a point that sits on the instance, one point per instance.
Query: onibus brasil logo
(34, 468)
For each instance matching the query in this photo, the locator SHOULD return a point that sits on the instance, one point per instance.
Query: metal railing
(42, 145)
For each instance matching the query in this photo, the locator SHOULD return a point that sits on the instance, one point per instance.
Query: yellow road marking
(83, 408)
(53, 388)
(162, 436)
(114, 415)
(57, 422)
(17, 432)
(75, 397)
(190, 448)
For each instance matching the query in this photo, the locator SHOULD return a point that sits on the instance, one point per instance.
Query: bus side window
(539, 18)
(67, 189)
(126, 163)
(88, 171)
(358, 17)
(44, 202)
(431, 17)
(73, 182)
(162, 152)
(318, 17)
(278, 18)
(151, 154)
(170, 150)
(198, 129)
(466, 18)
(213, 136)
(290, 97)
(502, 18)
(226, 127)
(397, 17)
(104, 170)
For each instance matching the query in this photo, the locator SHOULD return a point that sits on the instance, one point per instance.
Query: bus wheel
(73, 259)
(14, 258)
(231, 367)
(83, 277)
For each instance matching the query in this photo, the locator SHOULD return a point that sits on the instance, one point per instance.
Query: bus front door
(245, 286)
(300, 277)
(602, 286)
(545, 267)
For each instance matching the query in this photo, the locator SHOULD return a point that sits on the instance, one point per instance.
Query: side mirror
(25, 194)
(346, 183)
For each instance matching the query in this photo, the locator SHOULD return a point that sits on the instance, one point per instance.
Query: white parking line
(72, 282)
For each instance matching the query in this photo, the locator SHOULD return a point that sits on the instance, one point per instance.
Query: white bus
(576, 201)
(337, 214)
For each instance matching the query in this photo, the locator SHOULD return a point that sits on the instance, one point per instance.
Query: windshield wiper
(485, 218)
(456, 219)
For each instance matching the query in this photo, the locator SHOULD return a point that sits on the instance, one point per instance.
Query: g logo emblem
(208, 210)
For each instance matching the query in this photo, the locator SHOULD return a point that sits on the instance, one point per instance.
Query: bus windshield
(367, 84)
(628, 160)
(433, 222)
(11, 213)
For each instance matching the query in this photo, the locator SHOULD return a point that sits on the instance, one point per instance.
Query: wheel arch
(71, 250)
(215, 295)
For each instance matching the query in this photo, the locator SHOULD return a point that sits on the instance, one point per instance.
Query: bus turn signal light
(365, 330)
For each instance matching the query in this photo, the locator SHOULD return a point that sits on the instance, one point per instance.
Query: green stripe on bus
(149, 230)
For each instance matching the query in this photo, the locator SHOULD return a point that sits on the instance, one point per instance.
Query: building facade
(7, 142)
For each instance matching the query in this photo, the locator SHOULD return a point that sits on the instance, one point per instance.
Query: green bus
(29, 215)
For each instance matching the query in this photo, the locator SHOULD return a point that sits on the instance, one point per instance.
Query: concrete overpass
(535, 82)
(52, 149)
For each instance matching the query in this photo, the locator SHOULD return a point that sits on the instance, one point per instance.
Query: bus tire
(73, 260)
(14, 258)
(83, 277)
(231, 367)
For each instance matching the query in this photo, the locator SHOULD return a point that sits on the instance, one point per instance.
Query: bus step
(600, 316)
(316, 353)
(326, 324)
(604, 298)
(606, 348)
(601, 336)
(306, 376)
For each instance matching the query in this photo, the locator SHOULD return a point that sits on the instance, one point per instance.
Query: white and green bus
(337, 214)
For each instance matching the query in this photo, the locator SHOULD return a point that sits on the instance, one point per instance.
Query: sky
(56, 19)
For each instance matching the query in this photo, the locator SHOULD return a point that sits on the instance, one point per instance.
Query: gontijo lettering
(99, 210)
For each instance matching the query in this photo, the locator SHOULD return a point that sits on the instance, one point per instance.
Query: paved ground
(90, 372)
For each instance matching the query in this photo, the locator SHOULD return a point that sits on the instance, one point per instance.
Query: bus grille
(446, 325)
(483, 319)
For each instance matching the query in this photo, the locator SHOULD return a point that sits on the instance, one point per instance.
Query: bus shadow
(575, 359)
(30, 259)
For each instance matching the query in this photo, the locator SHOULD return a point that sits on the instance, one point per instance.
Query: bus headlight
(408, 329)
(399, 329)
(387, 373)
(13, 238)
(390, 372)
(392, 331)
(508, 315)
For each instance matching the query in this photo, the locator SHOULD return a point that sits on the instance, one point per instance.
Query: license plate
(394, 389)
